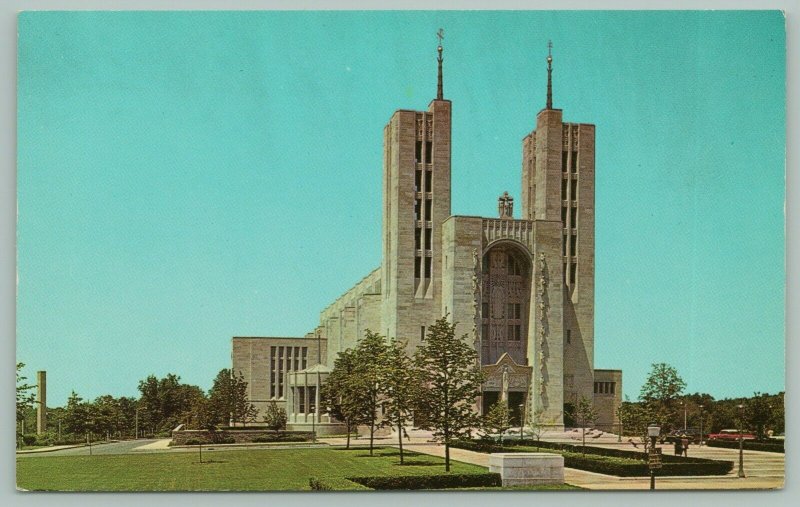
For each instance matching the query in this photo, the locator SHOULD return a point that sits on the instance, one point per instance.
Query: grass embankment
(253, 470)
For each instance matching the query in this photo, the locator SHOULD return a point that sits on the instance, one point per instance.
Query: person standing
(685, 445)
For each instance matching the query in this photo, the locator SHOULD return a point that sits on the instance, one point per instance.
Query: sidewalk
(763, 472)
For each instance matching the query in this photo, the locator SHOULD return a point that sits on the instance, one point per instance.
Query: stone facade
(520, 290)
(265, 362)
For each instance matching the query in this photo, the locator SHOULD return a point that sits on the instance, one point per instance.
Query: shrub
(409, 482)
(193, 441)
(750, 445)
(334, 484)
(275, 417)
(29, 439)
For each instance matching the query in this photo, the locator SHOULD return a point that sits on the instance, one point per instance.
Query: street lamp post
(653, 431)
(701, 425)
(683, 404)
(741, 442)
(521, 421)
(313, 424)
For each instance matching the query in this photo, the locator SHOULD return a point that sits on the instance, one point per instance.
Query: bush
(194, 441)
(29, 439)
(275, 417)
(750, 445)
(281, 437)
(334, 484)
(409, 482)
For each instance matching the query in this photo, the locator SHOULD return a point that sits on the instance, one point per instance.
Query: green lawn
(251, 470)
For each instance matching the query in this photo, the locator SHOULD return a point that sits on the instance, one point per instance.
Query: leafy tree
(368, 377)
(275, 417)
(660, 391)
(165, 403)
(585, 414)
(635, 418)
(449, 369)
(538, 425)
(402, 390)
(25, 398)
(497, 419)
(758, 413)
(228, 399)
(76, 415)
(342, 403)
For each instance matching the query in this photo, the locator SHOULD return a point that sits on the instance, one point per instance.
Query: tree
(758, 413)
(497, 419)
(76, 415)
(165, 403)
(449, 369)
(275, 417)
(228, 399)
(369, 372)
(660, 391)
(585, 414)
(635, 418)
(25, 399)
(342, 403)
(538, 425)
(402, 390)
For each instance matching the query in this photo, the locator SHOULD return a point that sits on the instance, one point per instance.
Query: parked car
(690, 433)
(731, 435)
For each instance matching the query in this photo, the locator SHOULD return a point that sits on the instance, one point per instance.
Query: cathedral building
(520, 289)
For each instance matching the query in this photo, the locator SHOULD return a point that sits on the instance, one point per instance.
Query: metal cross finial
(440, 35)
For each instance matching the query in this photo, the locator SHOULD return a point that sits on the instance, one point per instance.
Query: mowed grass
(250, 470)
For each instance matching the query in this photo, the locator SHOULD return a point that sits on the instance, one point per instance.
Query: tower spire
(549, 75)
(439, 87)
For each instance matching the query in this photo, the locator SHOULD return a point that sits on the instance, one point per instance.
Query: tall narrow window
(428, 243)
(428, 203)
(563, 161)
(428, 180)
(574, 190)
(305, 357)
(427, 267)
(417, 209)
(418, 152)
(417, 238)
(312, 399)
(573, 241)
(564, 216)
(573, 215)
(428, 152)
(563, 189)
(569, 336)
(574, 161)
(563, 244)
(422, 333)
(572, 271)
(301, 398)
(417, 180)
(417, 266)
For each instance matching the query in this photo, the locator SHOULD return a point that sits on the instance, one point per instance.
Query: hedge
(609, 461)
(335, 484)
(749, 445)
(429, 481)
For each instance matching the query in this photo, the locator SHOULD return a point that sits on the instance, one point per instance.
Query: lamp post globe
(701, 424)
(653, 431)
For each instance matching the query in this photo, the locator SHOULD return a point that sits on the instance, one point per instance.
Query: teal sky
(188, 177)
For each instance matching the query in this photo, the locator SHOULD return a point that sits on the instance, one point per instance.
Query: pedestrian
(678, 447)
(685, 444)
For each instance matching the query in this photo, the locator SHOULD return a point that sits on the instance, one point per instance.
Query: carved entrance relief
(504, 309)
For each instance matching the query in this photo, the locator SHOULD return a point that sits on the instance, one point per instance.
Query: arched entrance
(505, 296)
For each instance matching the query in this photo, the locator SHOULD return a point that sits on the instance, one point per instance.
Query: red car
(731, 435)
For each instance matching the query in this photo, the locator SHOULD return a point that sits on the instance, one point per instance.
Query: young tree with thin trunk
(342, 403)
(585, 414)
(402, 390)
(449, 370)
(367, 380)
(497, 419)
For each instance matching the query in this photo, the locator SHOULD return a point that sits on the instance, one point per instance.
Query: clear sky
(188, 177)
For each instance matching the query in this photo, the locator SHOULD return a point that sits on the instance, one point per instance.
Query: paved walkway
(763, 470)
